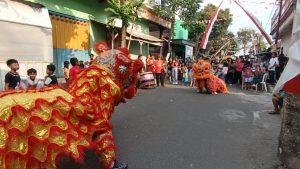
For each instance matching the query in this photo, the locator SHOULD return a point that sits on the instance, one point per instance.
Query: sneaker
(119, 165)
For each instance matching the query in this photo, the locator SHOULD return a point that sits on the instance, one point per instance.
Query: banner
(256, 22)
(209, 27)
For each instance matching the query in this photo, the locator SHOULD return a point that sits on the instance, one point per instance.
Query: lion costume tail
(215, 84)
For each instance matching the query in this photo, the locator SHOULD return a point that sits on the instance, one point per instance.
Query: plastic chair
(263, 83)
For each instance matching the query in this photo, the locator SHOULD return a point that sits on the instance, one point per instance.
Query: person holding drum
(160, 71)
(142, 71)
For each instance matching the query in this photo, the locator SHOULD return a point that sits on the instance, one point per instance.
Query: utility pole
(279, 22)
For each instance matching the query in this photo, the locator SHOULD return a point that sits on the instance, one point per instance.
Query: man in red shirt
(238, 71)
(75, 67)
(159, 70)
(150, 64)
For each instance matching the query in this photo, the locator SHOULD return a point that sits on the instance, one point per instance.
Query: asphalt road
(177, 128)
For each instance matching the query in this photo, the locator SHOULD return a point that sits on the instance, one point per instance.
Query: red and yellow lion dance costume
(38, 128)
(205, 80)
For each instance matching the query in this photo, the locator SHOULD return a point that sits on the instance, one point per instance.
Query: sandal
(274, 112)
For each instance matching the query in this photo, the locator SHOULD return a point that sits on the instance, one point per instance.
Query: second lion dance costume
(205, 80)
(38, 128)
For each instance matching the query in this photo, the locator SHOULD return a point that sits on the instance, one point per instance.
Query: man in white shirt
(273, 63)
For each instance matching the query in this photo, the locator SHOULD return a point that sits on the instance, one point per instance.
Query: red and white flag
(256, 22)
(209, 27)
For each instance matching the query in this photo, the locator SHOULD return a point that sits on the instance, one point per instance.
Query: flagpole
(209, 27)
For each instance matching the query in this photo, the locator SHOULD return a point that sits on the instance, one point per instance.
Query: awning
(183, 42)
(138, 36)
(17, 12)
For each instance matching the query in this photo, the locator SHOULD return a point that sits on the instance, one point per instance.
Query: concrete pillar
(141, 47)
(289, 139)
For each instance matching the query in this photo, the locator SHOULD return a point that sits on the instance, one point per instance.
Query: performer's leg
(158, 75)
(176, 75)
(173, 75)
(197, 85)
(106, 147)
(202, 85)
(162, 79)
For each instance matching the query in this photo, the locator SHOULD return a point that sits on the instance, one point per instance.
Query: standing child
(50, 79)
(81, 65)
(248, 76)
(31, 82)
(12, 78)
(224, 71)
(185, 76)
(192, 80)
(66, 70)
(75, 67)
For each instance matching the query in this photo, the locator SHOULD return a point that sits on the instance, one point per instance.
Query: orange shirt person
(150, 64)
(159, 71)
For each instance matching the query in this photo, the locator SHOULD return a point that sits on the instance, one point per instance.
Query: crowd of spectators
(13, 81)
(248, 72)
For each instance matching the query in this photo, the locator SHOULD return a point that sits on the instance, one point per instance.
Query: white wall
(286, 40)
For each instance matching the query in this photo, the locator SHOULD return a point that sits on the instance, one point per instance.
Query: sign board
(189, 51)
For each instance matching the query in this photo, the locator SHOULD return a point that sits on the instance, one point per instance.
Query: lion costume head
(202, 70)
(123, 68)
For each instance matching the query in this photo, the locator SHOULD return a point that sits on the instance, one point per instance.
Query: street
(176, 128)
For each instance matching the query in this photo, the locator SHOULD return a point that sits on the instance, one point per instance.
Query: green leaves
(186, 10)
(219, 35)
(126, 10)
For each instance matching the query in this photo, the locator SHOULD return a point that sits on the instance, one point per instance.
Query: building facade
(286, 24)
(182, 47)
(78, 25)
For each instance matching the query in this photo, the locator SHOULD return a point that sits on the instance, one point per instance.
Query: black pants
(278, 71)
(238, 77)
(272, 77)
(229, 79)
(160, 77)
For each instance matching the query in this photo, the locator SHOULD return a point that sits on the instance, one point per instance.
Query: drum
(147, 80)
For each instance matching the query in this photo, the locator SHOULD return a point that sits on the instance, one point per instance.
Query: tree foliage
(186, 10)
(261, 43)
(245, 37)
(126, 10)
(219, 35)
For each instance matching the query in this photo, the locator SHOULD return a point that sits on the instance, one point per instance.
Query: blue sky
(262, 9)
